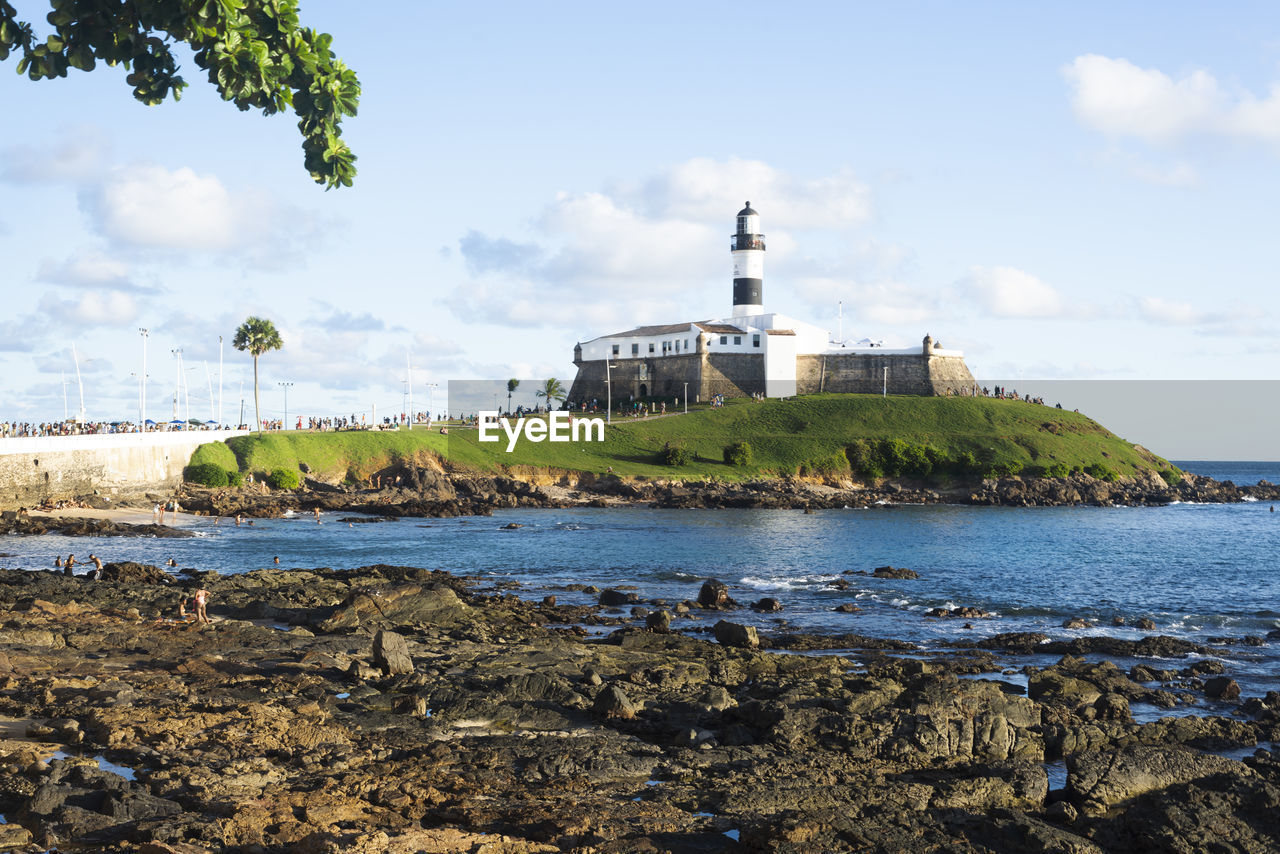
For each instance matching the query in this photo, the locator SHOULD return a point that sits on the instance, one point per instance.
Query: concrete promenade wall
(112, 466)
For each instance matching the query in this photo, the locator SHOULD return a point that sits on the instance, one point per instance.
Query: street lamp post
(142, 394)
(884, 390)
(608, 392)
(408, 367)
(285, 423)
(220, 424)
(177, 391)
(686, 398)
(431, 401)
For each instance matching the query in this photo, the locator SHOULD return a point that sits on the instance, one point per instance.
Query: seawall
(111, 466)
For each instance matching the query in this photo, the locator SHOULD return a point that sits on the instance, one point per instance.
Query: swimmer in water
(277, 561)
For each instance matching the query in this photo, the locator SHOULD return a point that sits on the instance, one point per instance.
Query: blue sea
(1198, 570)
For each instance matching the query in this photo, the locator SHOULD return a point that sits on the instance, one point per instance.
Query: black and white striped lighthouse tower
(748, 265)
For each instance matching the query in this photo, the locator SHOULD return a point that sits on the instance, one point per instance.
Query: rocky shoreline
(393, 709)
(428, 492)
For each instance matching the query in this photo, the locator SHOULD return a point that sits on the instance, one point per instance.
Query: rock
(1013, 641)
(410, 704)
(391, 653)
(362, 671)
(591, 677)
(895, 572)
(1076, 623)
(1118, 621)
(1112, 707)
(1146, 624)
(768, 603)
(394, 607)
(1062, 812)
(1101, 779)
(735, 634)
(549, 601)
(1222, 688)
(658, 621)
(613, 703)
(717, 698)
(847, 608)
(715, 595)
(135, 573)
(510, 526)
(611, 598)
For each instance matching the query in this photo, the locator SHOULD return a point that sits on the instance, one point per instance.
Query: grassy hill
(827, 435)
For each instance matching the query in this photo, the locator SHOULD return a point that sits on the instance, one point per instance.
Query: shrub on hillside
(1008, 468)
(235, 479)
(1101, 472)
(738, 454)
(1057, 470)
(675, 455)
(1173, 477)
(206, 474)
(284, 479)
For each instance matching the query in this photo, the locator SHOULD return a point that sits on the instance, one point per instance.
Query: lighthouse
(748, 265)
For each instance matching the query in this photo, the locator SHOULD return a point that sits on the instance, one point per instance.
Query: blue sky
(1071, 191)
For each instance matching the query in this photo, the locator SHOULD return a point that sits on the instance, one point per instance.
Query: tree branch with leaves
(256, 52)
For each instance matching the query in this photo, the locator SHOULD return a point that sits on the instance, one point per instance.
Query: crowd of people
(31, 429)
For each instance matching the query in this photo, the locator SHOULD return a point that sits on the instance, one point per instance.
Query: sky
(1069, 191)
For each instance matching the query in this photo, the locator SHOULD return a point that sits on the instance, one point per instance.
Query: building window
(635, 349)
(737, 339)
(677, 346)
(650, 348)
(686, 343)
(724, 339)
(615, 349)
(755, 340)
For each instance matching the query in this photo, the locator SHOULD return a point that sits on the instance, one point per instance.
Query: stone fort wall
(742, 374)
(114, 467)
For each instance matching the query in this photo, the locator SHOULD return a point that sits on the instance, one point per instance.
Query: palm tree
(512, 385)
(257, 335)
(552, 391)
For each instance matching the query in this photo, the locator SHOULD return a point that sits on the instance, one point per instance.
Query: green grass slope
(830, 435)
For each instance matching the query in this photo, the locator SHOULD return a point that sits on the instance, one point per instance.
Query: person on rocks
(57, 561)
(200, 600)
(71, 561)
(97, 566)
(155, 515)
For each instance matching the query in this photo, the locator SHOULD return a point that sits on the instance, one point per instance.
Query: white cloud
(96, 308)
(1120, 99)
(76, 155)
(152, 207)
(1010, 292)
(1171, 313)
(634, 254)
(1232, 322)
(89, 269)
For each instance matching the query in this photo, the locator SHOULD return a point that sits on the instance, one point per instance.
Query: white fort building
(755, 352)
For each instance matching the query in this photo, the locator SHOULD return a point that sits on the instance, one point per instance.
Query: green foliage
(255, 52)
(738, 454)
(215, 453)
(1172, 476)
(206, 474)
(1005, 468)
(553, 391)
(1057, 470)
(283, 478)
(257, 335)
(1101, 472)
(235, 479)
(961, 438)
(675, 455)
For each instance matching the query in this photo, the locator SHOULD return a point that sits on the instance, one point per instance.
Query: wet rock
(847, 608)
(658, 621)
(714, 595)
(391, 653)
(611, 598)
(894, 572)
(1076, 623)
(1222, 688)
(736, 634)
(1146, 624)
(967, 612)
(135, 573)
(1013, 641)
(768, 603)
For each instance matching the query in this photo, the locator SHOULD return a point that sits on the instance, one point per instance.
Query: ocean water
(1198, 570)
